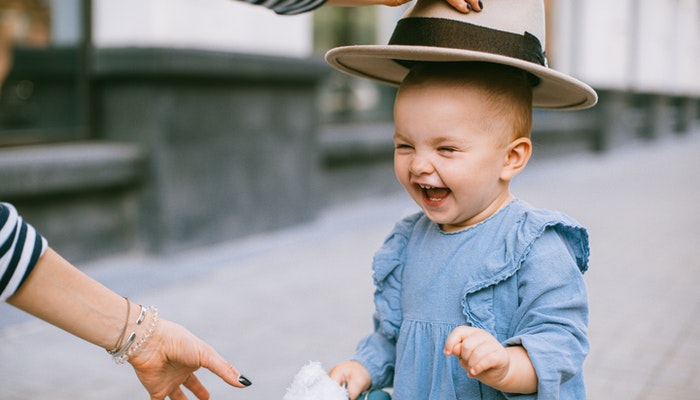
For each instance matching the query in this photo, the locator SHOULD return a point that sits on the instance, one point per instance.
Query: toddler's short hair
(508, 90)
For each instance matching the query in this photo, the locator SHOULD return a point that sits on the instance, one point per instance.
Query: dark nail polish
(481, 5)
(469, 6)
(243, 380)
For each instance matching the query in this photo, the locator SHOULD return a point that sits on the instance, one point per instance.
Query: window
(43, 47)
(344, 98)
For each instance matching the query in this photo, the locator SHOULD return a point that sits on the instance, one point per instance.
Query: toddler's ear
(517, 155)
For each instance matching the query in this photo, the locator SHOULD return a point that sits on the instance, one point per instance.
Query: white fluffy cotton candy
(313, 383)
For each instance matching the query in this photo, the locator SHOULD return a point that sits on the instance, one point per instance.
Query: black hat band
(452, 34)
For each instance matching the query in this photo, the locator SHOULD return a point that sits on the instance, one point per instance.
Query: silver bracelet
(155, 317)
(126, 325)
(119, 355)
(122, 355)
(142, 315)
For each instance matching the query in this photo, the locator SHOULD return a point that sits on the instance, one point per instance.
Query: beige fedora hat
(509, 32)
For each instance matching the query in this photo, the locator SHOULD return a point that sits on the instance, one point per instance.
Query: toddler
(479, 295)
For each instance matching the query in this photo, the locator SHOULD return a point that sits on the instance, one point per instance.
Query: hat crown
(514, 16)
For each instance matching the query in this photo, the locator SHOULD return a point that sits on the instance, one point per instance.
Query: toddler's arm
(354, 374)
(507, 369)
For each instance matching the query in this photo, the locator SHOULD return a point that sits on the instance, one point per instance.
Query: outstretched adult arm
(39, 281)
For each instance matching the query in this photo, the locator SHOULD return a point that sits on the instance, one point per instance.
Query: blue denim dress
(517, 275)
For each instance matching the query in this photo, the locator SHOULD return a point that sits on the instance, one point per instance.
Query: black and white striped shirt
(20, 249)
(288, 7)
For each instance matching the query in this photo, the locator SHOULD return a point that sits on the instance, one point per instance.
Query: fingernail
(244, 381)
(481, 5)
(469, 6)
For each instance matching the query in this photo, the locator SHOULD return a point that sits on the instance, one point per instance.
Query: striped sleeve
(20, 249)
(288, 7)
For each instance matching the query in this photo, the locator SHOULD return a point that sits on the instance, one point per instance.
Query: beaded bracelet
(118, 355)
(151, 328)
(122, 355)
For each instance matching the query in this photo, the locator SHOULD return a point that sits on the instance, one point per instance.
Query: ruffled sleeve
(528, 290)
(553, 323)
(377, 351)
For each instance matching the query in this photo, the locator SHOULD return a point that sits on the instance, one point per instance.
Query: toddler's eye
(447, 149)
(399, 146)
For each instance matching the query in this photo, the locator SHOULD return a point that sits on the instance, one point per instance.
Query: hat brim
(556, 90)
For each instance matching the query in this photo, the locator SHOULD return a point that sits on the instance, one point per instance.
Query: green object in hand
(376, 395)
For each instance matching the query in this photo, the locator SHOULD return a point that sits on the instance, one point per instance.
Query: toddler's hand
(480, 354)
(354, 374)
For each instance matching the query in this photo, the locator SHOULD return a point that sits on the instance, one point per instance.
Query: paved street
(270, 303)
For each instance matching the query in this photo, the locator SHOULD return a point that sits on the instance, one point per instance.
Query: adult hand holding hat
(464, 6)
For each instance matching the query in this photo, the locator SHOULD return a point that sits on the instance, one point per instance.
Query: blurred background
(169, 124)
(197, 140)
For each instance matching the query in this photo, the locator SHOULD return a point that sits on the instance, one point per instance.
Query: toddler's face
(450, 153)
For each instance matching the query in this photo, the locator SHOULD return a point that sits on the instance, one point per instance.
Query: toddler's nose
(421, 165)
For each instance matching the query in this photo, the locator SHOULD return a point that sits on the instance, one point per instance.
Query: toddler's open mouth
(434, 195)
